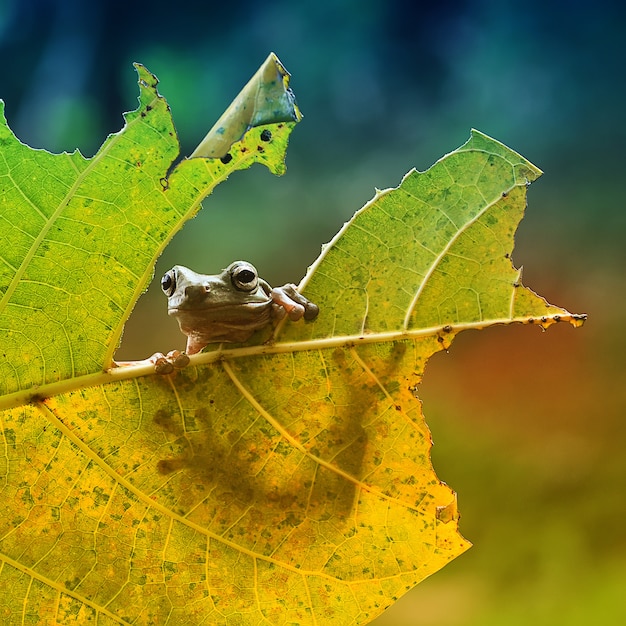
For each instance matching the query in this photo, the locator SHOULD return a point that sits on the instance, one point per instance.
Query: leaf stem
(146, 368)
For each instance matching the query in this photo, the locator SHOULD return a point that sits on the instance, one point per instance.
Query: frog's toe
(162, 365)
(311, 311)
(166, 364)
(294, 303)
(178, 359)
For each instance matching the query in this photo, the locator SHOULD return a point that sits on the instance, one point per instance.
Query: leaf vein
(61, 589)
(431, 270)
(296, 444)
(49, 222)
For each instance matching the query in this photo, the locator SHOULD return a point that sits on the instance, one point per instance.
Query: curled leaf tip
(266, 99)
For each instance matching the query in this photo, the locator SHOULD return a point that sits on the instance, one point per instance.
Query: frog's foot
(163, 363)
(294, 303)
(166, 364)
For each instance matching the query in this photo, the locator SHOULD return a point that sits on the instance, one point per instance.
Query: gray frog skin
(229, 306)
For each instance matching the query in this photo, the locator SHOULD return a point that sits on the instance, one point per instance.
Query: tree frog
(228, 306)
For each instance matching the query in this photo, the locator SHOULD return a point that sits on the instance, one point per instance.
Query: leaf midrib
(146, 368)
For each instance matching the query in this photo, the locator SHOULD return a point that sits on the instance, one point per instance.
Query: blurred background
(528, 426)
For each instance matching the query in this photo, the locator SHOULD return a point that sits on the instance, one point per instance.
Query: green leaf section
(280, 482)
(80, 236)
(434, 252)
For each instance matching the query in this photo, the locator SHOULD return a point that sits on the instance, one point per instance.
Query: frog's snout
(196, 292)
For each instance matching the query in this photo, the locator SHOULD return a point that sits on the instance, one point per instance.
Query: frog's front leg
(289, 299)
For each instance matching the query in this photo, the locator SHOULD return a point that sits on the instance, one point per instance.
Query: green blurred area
(528, 426)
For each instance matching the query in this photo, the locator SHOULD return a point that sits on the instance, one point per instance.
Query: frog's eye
(244, 276)
(168, 283)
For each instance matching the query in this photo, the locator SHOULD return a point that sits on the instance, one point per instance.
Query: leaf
(80, 236)
(276, 482)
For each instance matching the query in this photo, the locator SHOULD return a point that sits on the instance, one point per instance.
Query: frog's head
(238, 284)
(222, 307)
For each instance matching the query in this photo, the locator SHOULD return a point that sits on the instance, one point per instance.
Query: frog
(230, 306)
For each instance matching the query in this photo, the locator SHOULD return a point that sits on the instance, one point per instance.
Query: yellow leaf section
(284, 488)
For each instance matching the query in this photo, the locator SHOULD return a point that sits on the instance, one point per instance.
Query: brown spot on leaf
(163, 419)
(167, 466)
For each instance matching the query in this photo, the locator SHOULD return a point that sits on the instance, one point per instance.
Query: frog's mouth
(220, 311)
(245, 314)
